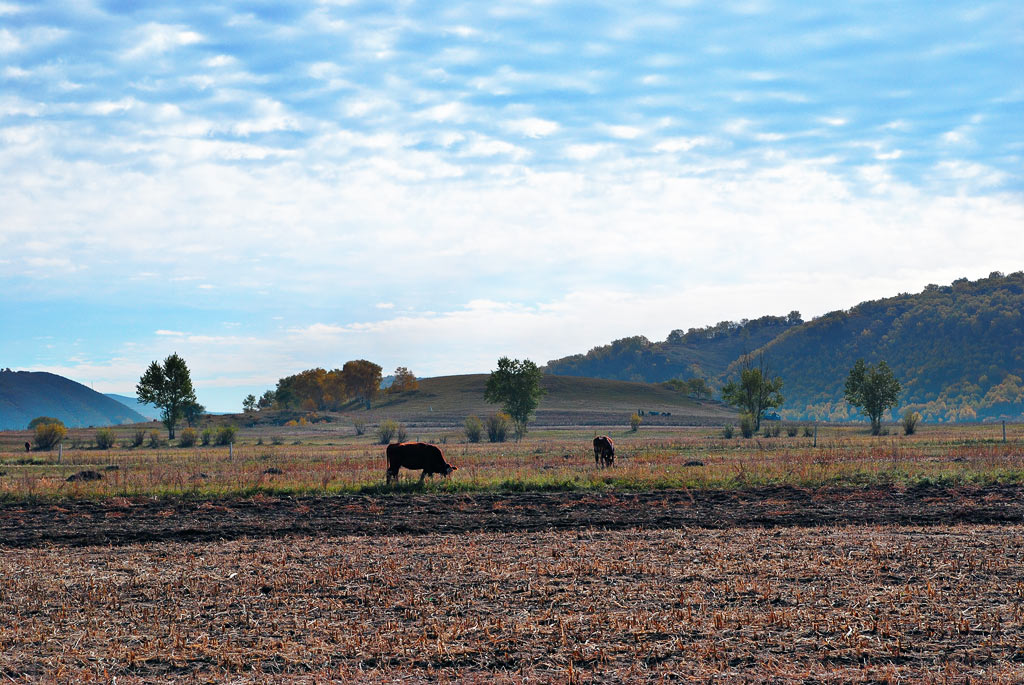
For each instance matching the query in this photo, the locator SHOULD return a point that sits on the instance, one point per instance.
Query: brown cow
(415, 456)
(604, 451)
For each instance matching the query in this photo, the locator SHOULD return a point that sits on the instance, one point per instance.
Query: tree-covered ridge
(958, 351)
(695, 353)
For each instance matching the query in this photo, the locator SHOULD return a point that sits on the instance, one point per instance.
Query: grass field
(327, 458)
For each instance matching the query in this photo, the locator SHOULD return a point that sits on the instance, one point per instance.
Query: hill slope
(448, 400)
(958, 351)
(148, 410)
(25, 395)
(697, 353)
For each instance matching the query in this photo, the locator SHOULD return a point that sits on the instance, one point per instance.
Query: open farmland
(876, 559)
(821, 604)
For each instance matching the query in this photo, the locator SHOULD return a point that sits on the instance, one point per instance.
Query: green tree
(266, 400)
(873, 390)
(515, 385)
(249, 403)
(192, 411)
(755, 392)
(169, 388)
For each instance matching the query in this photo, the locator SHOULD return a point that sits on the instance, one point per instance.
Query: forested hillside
(25, 395)
(958, 351)
(696, 353)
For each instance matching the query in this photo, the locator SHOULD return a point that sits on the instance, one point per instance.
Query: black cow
(28, 447)
(415, 456)
(604, 451)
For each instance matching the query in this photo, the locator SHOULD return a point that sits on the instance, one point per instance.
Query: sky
(267, 187)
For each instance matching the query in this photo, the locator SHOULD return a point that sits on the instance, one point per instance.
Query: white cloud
(531, 127)
(624, 132)
(681, 144)
(156, 39)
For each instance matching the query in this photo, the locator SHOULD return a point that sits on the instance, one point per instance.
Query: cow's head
(450, 469)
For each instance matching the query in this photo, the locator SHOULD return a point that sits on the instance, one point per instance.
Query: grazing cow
(604, 451)
(415, 456)
(28, 447)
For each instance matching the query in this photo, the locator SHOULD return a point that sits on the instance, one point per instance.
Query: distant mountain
(148, 410)
(25, 395)
(958, 351)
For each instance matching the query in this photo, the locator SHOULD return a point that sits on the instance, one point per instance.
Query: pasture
(872, 559)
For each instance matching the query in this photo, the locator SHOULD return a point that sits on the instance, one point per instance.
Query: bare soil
(122, 521)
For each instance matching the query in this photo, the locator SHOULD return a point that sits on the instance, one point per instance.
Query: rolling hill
(448, 400)
(958, 351)
(25, 395)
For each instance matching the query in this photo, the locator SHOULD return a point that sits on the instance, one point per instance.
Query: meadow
(329, 458)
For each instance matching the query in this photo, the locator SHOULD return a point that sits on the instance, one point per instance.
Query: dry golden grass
(938, 604)
(331, 462)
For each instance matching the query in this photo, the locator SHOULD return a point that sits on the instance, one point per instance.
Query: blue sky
(269, 187)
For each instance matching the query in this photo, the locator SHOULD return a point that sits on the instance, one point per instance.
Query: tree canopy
(872, 389)
(515, 385)
(755, 392)
(168, 387)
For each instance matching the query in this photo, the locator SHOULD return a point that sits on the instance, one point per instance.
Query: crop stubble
(859, 601)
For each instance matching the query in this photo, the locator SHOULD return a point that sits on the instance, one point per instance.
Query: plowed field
(921, 585)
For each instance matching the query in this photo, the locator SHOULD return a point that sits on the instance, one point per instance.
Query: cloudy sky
(265, 187)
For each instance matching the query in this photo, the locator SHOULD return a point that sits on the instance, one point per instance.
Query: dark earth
(122, 521)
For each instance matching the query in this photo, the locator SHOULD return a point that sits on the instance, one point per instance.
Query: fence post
(1004, 430)
(231, 451)
(60, 446)
(815, 433)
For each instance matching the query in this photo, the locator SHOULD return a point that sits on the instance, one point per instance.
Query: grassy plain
(331, 458)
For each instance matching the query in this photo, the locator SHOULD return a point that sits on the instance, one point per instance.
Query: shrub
(225, 435)
(359, 425)
(474, 428)
(634, 422)
(206, 436)
(386, 431)
(727, 432)
(910, 419)
(772, 430)
(43, 420)
(105, 438)
(188, 438)
(791, 430)
(400, 434)
(154, 439)
(498, 426)
(138, 437)
(276, 440)
(49, 435)
(747, 425)
(808, 432)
